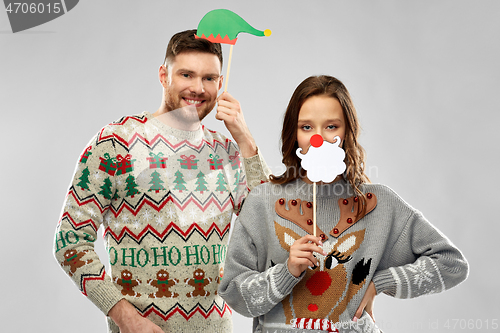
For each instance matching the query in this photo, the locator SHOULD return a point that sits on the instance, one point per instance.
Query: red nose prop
(316, 140)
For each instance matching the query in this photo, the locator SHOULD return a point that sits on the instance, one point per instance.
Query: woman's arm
(423, 261)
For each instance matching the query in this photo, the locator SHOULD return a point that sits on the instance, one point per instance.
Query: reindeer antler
(293, 214)
(348, 210)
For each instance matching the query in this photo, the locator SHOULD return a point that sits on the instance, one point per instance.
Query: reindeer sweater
(393, 245)
(165, 199)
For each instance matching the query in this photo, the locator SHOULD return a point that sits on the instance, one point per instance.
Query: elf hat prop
(223, 26)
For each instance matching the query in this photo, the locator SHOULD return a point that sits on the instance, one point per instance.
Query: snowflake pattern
(159, 220)
(203, 219)
(92, 212)
(183, 221)
(125, 219)
(116, 224)
(170, 212)
(108, 218)
(213, 213)
(421, 273)
(137, 224)
(78, 214)
(146, 215)
(193, 213)
(97, 176)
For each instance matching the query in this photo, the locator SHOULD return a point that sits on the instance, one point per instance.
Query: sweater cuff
(285, 281)
(105, 297)
(256, 169)
(384, 282)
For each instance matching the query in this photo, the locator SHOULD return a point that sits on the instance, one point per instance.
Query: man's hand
(229, 110)
(367, 302)
(130, 321)
(301, 254)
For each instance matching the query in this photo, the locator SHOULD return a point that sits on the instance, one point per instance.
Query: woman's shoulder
(386, 194)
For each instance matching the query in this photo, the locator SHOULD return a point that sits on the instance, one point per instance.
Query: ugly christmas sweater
(392, 245)
(165, 198)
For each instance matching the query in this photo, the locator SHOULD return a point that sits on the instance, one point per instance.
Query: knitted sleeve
(255, 172)
(248, 287)
(85, 206)
(423, 261)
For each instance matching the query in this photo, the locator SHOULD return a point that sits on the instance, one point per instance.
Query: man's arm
(256, 169)
(86, 206)
(229, 110)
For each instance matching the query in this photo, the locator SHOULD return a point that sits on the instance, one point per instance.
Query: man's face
(193, 80)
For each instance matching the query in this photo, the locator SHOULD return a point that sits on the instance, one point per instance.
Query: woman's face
(321, 115)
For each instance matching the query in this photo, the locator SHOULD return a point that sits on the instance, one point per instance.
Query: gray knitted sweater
(393, 245)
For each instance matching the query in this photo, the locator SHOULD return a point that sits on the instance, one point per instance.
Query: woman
(370, 240)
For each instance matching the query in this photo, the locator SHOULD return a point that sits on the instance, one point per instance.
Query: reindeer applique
(322, 295)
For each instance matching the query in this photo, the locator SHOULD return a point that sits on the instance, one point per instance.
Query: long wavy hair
(355, 154)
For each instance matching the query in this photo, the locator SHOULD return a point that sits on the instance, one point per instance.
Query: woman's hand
(301, 254)
(367, 302)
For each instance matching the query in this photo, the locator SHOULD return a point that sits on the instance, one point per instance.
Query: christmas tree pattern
(131, 187)
(156, 181)
(84, 179)
(106, 189)
(201, 182)
(221, 182)
(236, 181)
(179, 181)
(116, 196)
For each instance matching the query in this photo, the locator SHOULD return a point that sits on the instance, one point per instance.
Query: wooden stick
(228, 67)
(314, 209)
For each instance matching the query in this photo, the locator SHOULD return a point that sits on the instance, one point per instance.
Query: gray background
(424, 76)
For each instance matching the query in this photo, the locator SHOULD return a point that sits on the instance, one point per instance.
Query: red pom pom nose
(316, 140)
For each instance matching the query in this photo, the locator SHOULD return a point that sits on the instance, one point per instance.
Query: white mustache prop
(324, 161)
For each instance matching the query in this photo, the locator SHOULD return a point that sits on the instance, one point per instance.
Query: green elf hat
(223, 26)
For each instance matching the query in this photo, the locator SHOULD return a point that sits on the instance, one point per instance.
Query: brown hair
(185, 41)
(355, 154)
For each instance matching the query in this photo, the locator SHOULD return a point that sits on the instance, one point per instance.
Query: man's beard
(174, 103)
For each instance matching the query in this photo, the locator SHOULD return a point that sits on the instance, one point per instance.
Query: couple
(164, 188)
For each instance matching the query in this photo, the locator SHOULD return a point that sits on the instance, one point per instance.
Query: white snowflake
(97, 176)
(146, 215)
(78, 213)
(193, 213)
(119, 182)
(137, 224)
(116, 224)
(67, 204)
(170, 212)
(159, 220)
(134, 126)
(222, 220)
(203, 219)
(183, 221)
(125, 218)
(108, 217)
(169, 174)
(213, 213)
(420, 272)
(92, 212)
(125, 130)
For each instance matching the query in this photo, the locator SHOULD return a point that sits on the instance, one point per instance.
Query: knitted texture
(393, 245)
(164, 198)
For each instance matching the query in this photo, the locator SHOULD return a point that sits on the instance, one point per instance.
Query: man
(164, 189)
